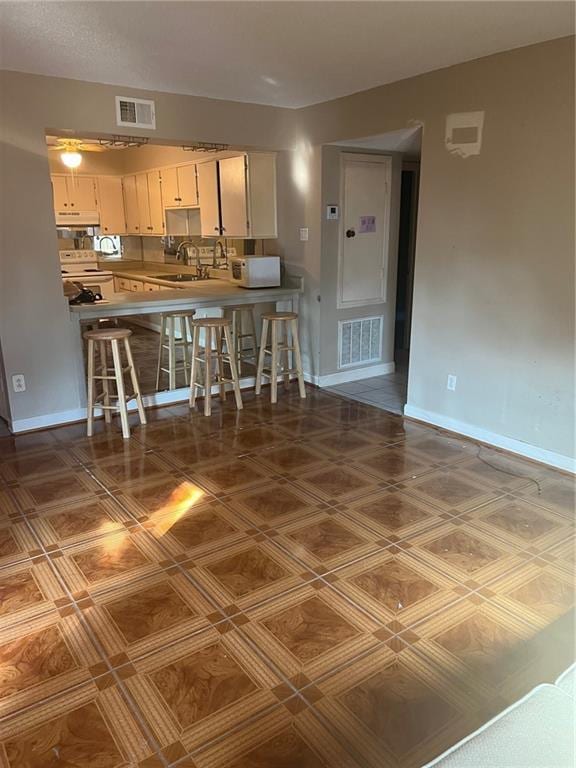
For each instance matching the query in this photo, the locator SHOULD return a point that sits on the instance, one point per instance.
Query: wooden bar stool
(217, 332)
(240, 312)
(113, 336)
(169, 342)
(280, 350)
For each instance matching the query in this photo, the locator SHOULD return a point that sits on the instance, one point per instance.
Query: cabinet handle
(65, 205)
(216, 229)
(149, 227)
(72, 204)
(223, 229)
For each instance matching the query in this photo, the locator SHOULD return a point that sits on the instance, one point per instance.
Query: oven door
(102, 284)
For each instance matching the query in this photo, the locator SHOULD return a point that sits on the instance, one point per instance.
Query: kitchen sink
(181, 278)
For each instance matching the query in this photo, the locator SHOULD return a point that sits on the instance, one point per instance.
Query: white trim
(168, 397)
(557, 460)
(345, 375)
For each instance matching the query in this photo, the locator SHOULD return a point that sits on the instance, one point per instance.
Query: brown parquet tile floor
(316, 584)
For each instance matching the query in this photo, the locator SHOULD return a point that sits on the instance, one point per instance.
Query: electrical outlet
(303, 234)
(18, 382)
(451, 383)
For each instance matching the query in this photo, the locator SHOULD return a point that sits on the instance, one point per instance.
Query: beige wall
(494, 277)
(38, 338)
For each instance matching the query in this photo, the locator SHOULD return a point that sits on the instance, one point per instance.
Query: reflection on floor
(387, 392)
(144, 343)
(315, 583)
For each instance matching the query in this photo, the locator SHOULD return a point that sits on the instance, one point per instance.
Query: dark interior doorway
(406, 252)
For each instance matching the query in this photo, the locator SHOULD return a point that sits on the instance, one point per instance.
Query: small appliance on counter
(255, 271)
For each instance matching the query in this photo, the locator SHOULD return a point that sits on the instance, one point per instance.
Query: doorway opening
(405, 271)
(388, 389)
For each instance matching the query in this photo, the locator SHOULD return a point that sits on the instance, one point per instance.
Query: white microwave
(255, 271)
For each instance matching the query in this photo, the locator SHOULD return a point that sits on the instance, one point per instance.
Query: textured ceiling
(287, 54)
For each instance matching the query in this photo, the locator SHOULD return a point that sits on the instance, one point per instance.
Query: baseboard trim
(552, 459)
(169, 397)
(354, 374)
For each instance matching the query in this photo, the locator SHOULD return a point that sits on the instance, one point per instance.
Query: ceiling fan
(70, 150)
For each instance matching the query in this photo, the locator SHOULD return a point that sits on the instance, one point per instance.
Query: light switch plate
(303, 233)
(332, 212)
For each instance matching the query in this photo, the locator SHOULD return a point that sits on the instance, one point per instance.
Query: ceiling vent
(137, 113)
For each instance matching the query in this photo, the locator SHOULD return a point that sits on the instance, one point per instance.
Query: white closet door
(363, 256)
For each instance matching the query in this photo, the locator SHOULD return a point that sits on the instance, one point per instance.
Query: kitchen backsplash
(163, 250)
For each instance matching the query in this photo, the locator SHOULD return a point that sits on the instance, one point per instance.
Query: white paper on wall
(464, 133)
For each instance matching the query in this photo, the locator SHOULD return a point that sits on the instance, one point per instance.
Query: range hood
(75, 219)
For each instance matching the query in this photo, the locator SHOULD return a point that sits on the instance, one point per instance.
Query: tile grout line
(132, 706)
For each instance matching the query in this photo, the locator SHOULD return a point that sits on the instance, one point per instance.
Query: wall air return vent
(137, 113)
(359, 341)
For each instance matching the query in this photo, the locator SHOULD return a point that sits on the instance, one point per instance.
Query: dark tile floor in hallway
(316, 583)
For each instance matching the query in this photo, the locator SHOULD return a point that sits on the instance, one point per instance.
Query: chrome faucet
(182, 245)
(113, 252)
(219, 254)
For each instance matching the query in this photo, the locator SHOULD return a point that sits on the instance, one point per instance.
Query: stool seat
(179, 313)
(107, 334)
(211, 322)
(279, 316)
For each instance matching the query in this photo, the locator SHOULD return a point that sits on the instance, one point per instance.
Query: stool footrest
(284, 372)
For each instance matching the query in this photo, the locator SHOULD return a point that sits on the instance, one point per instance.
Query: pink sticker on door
(367, 224)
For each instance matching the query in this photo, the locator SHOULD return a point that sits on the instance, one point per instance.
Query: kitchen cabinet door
(170, 192)
(156, 210)
(60, 193)
(187, 187)
(111, 205)
(261, 190)
(131, 205)
(233, 197)
(208, 198)
(143, 203)
(81, 193)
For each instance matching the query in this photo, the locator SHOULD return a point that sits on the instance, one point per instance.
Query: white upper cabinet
(237, 196)
(143, 198)
(179, 188)
(131, 205)
(111, 205)
(209, 202)
(234, 197)
(76, 193)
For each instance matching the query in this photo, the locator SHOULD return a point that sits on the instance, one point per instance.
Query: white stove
(81, 266)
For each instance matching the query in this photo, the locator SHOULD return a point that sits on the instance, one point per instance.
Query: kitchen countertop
(138, 270)
(197, 295)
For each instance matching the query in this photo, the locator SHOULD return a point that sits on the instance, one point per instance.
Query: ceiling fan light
(71, 159)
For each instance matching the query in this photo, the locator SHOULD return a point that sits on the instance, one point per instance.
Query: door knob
(350, 233)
